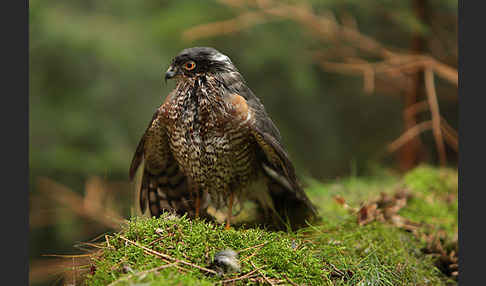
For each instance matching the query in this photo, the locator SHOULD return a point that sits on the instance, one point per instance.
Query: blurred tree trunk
(413, 152)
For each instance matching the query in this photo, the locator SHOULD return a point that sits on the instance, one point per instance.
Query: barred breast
(213, 146)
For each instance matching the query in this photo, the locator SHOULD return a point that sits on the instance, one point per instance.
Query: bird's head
(197, 61)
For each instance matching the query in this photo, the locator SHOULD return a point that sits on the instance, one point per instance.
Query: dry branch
(416, 108)
(290, 281)
(42, 270)
(393, 67)
(140, 273)
(263, 275)
(245, 276)
(450, 135)
(350, 42)
(237, 24)
(252, 247)
(409, 135)
(324, 26)
(434, 110)
(76, 203)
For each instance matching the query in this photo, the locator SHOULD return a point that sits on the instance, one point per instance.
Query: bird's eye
(190, 65)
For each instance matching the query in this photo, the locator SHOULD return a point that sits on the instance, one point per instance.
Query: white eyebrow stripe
(219, 57)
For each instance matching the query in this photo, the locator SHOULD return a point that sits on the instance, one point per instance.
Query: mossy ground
(333, 251)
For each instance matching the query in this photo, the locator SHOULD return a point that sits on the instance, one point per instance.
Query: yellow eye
(190, 65)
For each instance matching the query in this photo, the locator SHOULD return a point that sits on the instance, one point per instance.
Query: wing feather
(164, 185)
(289, 198)
(138, 156)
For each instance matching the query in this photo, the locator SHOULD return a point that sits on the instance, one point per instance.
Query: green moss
(377, 254)
(197, 241)
(355, 190)
(429, 180)
(435, 198)
(334, 251)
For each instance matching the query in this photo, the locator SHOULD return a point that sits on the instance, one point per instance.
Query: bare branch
(450, 135)
(434, 110)
(416, 108)
(237, 24)
(348, 41)
(408, 135)
(76, 203)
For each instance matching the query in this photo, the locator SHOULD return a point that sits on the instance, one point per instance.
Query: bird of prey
(211, 143)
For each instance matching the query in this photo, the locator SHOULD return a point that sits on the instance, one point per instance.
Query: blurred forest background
(355, 86)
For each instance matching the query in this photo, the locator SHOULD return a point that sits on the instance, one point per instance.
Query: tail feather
(290, 203)
(168, 191)
(290, 208)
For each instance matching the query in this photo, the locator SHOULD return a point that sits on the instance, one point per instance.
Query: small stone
(225, 261)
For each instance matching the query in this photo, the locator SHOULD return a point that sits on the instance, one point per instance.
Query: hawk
(211, 143)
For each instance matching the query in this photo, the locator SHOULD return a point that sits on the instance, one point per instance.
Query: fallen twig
(140, 273)
(290, 281)
(263, 275)
(250, 256)
(252, 247)
(245, 276)
(239, 278)
(165, 256)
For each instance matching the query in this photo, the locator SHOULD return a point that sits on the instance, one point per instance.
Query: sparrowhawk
(211, 143)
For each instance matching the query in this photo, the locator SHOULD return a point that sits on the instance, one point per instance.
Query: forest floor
(382, 230)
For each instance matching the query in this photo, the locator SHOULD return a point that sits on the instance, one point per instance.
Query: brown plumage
(212, 143)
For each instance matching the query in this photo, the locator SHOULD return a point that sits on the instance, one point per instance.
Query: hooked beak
(171, 72)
